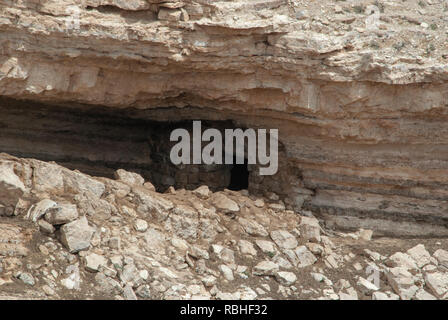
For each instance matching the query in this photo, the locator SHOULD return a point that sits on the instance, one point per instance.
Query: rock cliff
(361, 110)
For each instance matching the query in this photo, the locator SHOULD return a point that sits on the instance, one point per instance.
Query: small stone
(226, 272)
(27, 279)
(202, 192)
(44, 249)
(76, 235)
(442, 257)
(224, 204)
(420, 255)
(437, 282)
(141, 225)
(366, 287)
(40, 209)
(61, 214)
(209, 281)
(424, 295)
(93, 261)
(304, 256)
(309, 229)
(48, 290)
(284, 239)
(128, 293)
(144, 291)
(277, 207)
(45, 227)
(169, 14)
(319, 277)
(402, 282)
(266, 247)
(285, 278)
(259, 203)
(130, 178)
(253, 228)
(265, 268)
(246, 248)
(402, 260)
(378, 295)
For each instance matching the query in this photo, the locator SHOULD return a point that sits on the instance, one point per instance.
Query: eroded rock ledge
(361, 113)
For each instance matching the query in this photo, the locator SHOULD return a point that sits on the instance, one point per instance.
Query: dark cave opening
(239, 176)
(99, 140)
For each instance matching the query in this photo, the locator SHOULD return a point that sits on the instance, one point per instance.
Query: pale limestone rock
(38, 210)
(304, 256)
(265, 268)
(76, 235)
(310, 229)
(226, 272)
(366, 287)
(442, 257)
(224, 204)
(151, 203)
(420, 255)
(94, 261)
(141, 225)
(253, 228)
(284, 239)
(402, 281)
(402, 260)
(130, 178)
(246, 248)
(267, 247)
(424, 295)
(437, 282)
(61, 213)
(202, 192)
(285, 278)
(45, 227)
(11, 187)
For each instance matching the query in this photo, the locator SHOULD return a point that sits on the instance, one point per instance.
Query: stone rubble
(193, 245)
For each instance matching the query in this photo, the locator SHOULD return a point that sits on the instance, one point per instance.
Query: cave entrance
(239, 176)
(97, 141)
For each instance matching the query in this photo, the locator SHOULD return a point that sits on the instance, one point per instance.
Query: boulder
(76, 235)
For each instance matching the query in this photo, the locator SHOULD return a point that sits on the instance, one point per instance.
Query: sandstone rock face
(362, 117)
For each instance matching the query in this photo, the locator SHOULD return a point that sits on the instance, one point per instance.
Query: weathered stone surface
(304, 256)
(442, 257)
(150, 203)
(40, 209)
(247, 248)
(252, 227)
(140, 225)
(93, 262)
(265, 268)
(224, 203)
(61, 214)
(402, 281)
(76, 235)
(437, 282)
(285, 278)
(206, 60)
(402, 260)
(310, 229)
(131, 178)
(420, 255)
(284, 239)
(11, 188)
